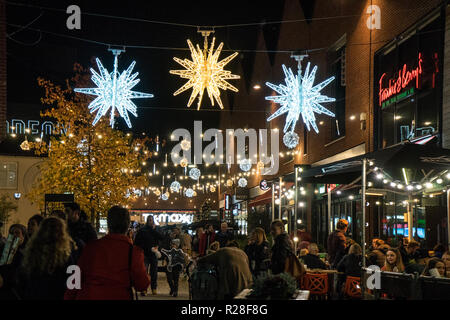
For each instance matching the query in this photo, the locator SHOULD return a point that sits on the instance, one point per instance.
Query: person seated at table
(312, 260)
(435, 268)
(350, 264)
(378, 254)
(446, 259)
(393, 261)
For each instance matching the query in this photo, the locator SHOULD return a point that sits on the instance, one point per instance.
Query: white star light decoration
(299, 96)
(205, 72)
(114, 91)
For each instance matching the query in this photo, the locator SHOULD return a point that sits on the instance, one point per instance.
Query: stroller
(203, 281)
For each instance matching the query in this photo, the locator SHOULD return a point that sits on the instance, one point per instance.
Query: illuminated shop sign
(402, 79)
(34, 127)
(168, 218)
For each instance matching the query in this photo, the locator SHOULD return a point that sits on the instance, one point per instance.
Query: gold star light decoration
(205, 72)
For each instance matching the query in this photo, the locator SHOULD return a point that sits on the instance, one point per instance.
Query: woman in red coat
(105, 264)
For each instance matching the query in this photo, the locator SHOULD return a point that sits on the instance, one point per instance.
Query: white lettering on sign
(161, 218)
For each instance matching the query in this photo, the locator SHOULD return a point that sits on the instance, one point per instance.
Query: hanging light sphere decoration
(157, 192)
(260, 165)
(195, 193)
(165, 196)
(245, 165)
(184, 162)
(229, 182)
(25, 145)
(175, 186)
(194, 173)
(185, 145)
(290, 139)
(212, 189)
(189, 193)
(242, 182)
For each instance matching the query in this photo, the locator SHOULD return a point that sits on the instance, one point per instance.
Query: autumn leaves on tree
(102, 166)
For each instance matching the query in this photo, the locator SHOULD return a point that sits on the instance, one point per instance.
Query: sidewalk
(163, 289)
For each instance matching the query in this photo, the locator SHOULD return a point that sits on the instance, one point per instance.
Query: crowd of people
(124, 262)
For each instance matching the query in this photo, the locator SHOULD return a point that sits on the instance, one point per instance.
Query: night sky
(31, 54)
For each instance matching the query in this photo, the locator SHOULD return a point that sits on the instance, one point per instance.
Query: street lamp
(295, 245)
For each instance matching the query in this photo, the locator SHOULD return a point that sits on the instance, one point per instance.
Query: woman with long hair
(258, 253)
(393, 261)
(43, 273)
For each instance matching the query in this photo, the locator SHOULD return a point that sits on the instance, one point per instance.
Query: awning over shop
(405, 155)
(262, 199)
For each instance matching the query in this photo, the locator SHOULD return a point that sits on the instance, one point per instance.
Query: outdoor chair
(353, 287)
(316, 284)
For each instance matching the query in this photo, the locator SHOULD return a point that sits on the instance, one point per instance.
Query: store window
(408, 89)
(336, 62)
(8, 175)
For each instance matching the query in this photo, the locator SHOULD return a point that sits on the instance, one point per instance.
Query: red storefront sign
(397, 84)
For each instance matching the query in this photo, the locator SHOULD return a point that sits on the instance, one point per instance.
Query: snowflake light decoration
(299, 96)
(205, 72)
(242, 182)
(194, 173)
(114, 91)
(245, 165)
(212, 189)
(175, 186)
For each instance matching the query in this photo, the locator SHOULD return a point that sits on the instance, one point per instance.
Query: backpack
(204, 283)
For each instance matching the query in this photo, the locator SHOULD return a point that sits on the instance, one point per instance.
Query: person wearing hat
(176, 261)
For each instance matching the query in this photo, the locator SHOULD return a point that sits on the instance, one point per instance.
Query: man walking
(148, 239)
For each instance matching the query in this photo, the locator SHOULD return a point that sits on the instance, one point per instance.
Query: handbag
(130, 257)
(294, 267)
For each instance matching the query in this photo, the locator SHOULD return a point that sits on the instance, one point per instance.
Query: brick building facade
(2, 70)
(320, 30)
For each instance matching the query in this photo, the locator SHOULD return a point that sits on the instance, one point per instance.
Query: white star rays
(114, 91)
(299, 96)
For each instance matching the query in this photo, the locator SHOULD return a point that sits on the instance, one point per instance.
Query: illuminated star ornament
(205, 72)
(299, 96)
(114, 91)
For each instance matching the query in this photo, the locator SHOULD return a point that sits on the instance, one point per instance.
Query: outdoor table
(332, 278)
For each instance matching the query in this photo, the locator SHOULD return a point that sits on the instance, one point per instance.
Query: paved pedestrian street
(163, 289)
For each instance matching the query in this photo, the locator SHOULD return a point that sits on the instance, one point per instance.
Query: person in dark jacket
(43, 273)
(312, 260)
(336, 243)
(8, 272)
(350, 264)
(281, 248)
(176, 262)
(258, 253)
(196, 241)
(148, 239)
(112, 265)
(78, 227)
(378, 254)
(224, 235)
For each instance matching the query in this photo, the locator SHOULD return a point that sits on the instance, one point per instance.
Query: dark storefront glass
(408, 106)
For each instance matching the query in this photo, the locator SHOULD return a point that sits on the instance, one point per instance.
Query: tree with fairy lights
(99, 164)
